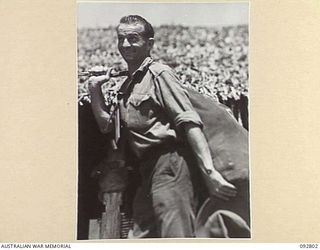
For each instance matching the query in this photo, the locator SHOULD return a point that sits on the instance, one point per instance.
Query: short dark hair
(130, 19)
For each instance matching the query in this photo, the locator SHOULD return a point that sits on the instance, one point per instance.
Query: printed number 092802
(308, 245)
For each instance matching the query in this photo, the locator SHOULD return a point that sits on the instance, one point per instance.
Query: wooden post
(111, 218)
(94, 229)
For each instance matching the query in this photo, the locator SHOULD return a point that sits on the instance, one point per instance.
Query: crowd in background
(213, 61)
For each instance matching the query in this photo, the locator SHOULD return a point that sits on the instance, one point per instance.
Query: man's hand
(99, 108)
(219, 187)
(98, 77)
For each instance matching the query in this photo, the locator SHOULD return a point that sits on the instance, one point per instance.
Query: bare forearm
(98, 105)
(199, 146)
(218, 186)
(99, 109)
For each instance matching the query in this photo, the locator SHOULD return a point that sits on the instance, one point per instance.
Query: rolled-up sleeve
(175, 100)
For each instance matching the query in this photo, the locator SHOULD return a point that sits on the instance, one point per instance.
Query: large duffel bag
(228, 142)
(227, 139)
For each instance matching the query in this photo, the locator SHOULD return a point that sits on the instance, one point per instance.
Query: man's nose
(126, 43)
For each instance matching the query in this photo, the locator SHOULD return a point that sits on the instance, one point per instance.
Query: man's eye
(130, 39)
(133, 39)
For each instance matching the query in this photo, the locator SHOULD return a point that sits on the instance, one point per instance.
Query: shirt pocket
(141, 110)
(137, 99)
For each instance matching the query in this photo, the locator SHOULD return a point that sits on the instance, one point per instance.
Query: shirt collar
(138, 73)
(144, 65)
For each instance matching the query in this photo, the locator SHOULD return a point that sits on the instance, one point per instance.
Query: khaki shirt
(154, 107)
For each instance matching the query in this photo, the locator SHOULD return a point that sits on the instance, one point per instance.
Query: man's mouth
(129, 55)
(128, 52)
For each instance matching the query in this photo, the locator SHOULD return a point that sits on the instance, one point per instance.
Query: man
(161, 127)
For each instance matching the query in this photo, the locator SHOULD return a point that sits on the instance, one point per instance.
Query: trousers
(164, 205)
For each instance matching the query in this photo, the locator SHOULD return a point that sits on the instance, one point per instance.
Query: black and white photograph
(163, 120)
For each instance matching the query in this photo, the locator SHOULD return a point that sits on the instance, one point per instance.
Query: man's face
(132, 45)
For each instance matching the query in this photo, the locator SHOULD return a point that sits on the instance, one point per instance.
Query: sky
(103, 14)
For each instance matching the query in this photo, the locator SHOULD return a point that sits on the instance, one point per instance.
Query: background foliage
(211, 60)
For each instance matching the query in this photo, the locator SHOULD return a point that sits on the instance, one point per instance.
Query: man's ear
(150, 42)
